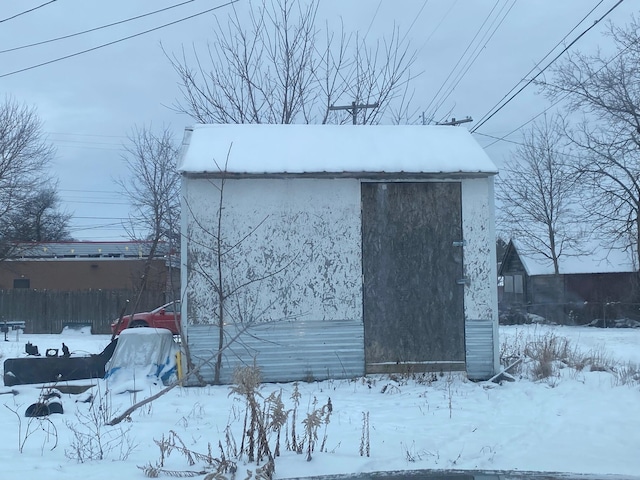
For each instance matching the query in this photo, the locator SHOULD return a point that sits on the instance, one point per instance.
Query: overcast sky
(91, 101)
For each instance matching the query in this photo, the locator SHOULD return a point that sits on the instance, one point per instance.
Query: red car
(167, 316)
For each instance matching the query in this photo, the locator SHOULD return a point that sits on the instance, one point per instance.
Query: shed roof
(338, 149)
(599, 259)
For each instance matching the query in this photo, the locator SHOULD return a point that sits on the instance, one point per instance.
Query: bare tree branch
(151, 186)
(38, 218)
(538, 194)
(605, 92)
(277, 68)
(24, 156)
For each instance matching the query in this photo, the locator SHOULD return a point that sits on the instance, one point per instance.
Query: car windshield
(169, 307)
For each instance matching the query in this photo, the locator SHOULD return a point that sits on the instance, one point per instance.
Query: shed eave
(331, 175)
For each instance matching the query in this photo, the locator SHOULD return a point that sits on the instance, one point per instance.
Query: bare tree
(605, 91)
(279, 70)
(24, 155)
(38, 218)
(538, 196)
(152, 187)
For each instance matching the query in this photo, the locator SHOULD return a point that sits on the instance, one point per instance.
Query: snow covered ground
(577, 421)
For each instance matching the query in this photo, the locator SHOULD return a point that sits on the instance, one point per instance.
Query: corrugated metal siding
(284, 351)
(479, 346)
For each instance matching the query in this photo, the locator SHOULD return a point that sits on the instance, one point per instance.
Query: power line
(463, 55)
(521, 144)
(451, 7)
(100, 218)
(499, 139)
(437, 27)
(400, 41)
(544, 58)
(97, 222)
(86, 135)
(94, 29)
(476, 53)
(415, 19)
(231, 2)
(96, 202)
(26, 11)
(88, 142)
(372, 20)
(478, 49)
(63, 145)
(548, 65)
(559, 100)
(84, 191)
(98, 227)
(504, 138)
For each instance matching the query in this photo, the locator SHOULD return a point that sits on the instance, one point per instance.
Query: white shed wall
(302, 236)
(480, 270)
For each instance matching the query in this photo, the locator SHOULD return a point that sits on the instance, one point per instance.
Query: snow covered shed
(340, 250)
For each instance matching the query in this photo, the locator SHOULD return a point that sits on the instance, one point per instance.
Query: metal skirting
(284, 351)
(479, 349)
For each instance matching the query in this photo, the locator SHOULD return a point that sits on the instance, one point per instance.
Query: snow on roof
(600, 260)
(71, 249)
(298, 149)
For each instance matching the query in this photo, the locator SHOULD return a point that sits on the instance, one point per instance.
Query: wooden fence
(48, 311)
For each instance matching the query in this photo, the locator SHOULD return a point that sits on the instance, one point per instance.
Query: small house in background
(600, 284)
(83, 266)
(344, 250)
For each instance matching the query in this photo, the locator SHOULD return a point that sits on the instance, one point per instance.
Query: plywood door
(412, 265)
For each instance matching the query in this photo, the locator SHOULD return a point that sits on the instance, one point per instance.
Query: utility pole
(353, 109)
(455, 122)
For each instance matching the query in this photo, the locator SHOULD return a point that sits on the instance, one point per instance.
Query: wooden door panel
(413, 305)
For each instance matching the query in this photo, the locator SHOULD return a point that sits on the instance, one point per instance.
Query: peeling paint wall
(291, 249)
(480, 269)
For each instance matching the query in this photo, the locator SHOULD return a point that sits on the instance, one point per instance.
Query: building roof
(85, 250)
(337, 149)
(600, 259)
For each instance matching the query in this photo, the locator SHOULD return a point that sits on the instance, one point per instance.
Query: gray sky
(90, 102)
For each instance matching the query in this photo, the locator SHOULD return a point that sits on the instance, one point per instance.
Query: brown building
(83, 266)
